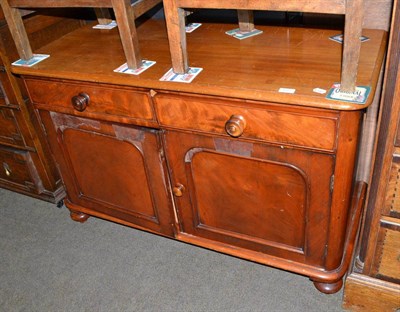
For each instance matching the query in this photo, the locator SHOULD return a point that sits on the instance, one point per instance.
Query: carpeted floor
(51, 263)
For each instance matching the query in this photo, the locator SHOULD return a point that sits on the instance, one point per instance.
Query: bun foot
(78, 216)
(329, 288)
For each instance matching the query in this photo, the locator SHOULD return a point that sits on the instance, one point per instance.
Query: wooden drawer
(267, 122)
(389, 264)
(392, 199)
(113, 104)
(17, 169)
(9, 129)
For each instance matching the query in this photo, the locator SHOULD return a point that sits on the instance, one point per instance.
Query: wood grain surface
(255, 68)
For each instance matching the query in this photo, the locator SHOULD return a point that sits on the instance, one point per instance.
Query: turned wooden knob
(80, 101)
(235, 126)
(178, 190)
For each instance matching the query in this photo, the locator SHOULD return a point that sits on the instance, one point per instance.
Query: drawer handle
(80, 101)
(235, 126)
(178, 190)
(7, 169)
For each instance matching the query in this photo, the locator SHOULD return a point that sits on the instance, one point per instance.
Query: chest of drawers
(25, 163)
(374, 283)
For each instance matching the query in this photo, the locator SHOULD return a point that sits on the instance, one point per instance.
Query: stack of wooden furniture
(125, 14)
(352, 10)
(26, 165)
(225, 162)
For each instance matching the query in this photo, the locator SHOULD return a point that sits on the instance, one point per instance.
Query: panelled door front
(266, 198)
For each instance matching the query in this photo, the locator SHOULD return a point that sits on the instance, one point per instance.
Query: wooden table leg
(351, 45)
(127, 30)
(175, 19)
(246, 20)
(17, 29)
(103, 16)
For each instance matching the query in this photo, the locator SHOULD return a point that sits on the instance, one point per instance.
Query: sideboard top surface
(255, 68)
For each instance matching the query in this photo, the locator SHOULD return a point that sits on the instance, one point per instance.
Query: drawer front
(389, 265)
(392, 200)
(9, 130)
(17, 169)
(114, 104)
(271, 123)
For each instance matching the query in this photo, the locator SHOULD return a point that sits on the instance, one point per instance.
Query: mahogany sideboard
(225, 162)
(26, 165)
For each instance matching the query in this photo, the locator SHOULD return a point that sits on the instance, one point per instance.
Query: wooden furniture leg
(103, 15)
(246, 20)
(175, 20)
(78, 216)
(352, 9)
(357, 207)
(127, 30)
(125, 14)
(17, 30)
(351, 44)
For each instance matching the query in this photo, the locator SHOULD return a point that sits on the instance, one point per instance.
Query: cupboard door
(270, 199)
(111, 170)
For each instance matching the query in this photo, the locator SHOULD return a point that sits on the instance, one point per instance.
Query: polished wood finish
(157, 155)
(112, 170)
(352, 9)
(377, 265)
(271, 123)
(134, 105)
(124, 10)
(219, 209)
(268, 66)
(25, 162)
(80, 101)
(235, 126)
(79, 216)
(225, 203)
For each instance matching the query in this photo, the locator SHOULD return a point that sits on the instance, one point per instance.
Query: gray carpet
(51, 263)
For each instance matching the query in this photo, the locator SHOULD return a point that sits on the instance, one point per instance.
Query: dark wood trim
(386, 136)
